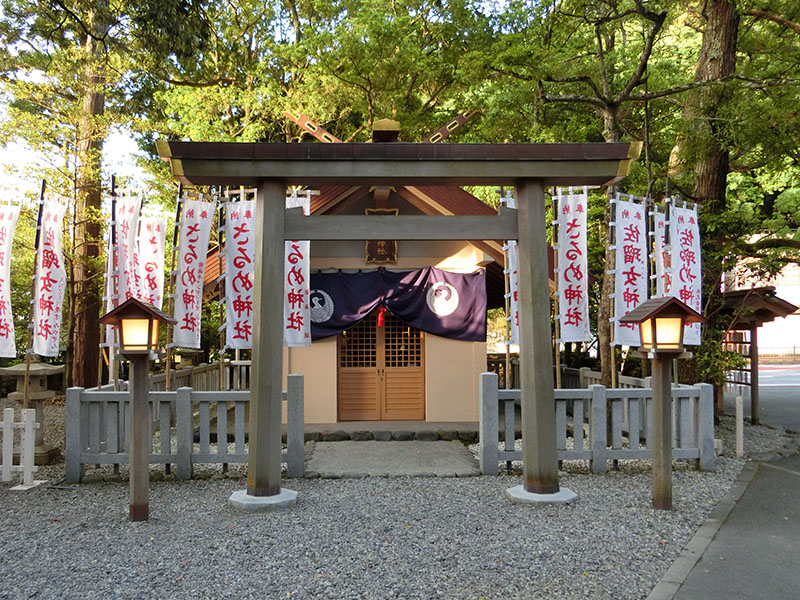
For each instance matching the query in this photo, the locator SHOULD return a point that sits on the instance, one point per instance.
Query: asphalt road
(779, 396)
(756, 551)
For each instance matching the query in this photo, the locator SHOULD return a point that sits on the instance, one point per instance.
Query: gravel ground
(359, 538)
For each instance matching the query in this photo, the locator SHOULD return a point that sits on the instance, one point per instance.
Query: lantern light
(661, 322)
(138, 324)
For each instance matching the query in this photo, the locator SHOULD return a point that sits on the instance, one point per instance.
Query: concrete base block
(23, 487)
(43, 455)
(243, 501)
(518, 495)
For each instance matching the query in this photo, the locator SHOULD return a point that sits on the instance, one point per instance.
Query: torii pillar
(537, 398)
(264, 489)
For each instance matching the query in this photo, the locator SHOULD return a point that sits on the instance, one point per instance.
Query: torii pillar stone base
(518, 495)
(244, 501)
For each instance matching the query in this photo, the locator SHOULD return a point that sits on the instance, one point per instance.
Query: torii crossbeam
(528, 167)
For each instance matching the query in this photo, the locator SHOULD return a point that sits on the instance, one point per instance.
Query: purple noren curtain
(451, 305)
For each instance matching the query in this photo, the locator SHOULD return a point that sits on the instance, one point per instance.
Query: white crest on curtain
(195, 229)
(630, 277)
(51, 280)
(687, 272)
(512, 272)
(9, 215)
(573, 276)
(297, 276)
(152, 241)
(239, 273)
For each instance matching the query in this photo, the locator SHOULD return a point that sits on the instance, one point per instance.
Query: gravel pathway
(369, 538)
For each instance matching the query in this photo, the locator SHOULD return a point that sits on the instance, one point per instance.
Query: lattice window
(403, 344)
(357, 344)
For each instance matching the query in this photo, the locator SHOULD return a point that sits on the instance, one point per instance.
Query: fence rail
(584, 377)
(188, 424)
(631, 424)
(234, 375)
(27, 439)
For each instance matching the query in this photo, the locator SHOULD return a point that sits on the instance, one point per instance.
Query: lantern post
(138, 324)
(661, 323)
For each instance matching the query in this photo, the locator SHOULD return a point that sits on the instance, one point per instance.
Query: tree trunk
(611, 133)
(706, 145)
(88, 264)
(717, 62)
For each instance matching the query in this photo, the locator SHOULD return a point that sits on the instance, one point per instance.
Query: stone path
(389, 459)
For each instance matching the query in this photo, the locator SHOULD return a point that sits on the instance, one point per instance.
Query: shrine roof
(754, 307)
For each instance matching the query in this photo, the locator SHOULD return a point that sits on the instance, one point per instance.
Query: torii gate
(272, 167)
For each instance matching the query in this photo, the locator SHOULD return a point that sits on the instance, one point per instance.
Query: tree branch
(584, 79)
(636, 77)
(513, 74)
(767, 243)
(572, 98)
(763, 14)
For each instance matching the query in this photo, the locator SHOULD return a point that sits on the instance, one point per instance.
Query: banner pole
(36, 243)
(171, 295)
(556, 295)
(221, 213)
(109, 291)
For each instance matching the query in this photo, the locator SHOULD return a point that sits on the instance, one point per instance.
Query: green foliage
(567, 71)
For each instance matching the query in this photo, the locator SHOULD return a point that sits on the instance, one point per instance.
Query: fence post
(295, 438)
(706, 427)
(598, 429)
(184, 432)
(8, 443)
(582, 376)
(73, 467)
(488, 432)
(27, 451)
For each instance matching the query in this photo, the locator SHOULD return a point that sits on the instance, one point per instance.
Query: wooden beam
(408, 227)
(311, 127)
(418, 199)
(220, 163)
(444, 132)
(202, 171)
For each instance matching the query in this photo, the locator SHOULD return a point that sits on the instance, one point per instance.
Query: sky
(119, 151)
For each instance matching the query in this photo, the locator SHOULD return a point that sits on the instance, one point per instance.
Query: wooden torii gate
(530, 168)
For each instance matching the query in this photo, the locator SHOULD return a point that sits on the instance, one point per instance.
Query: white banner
(152, 241)
(127, 230)
(51, 281)
(661, 255)
(573, 276)
(512, 252)
(9, 214)
(297, 262)
(630, 277)
(239, 273)
(512, 272)
(196, 223)
(684, 236)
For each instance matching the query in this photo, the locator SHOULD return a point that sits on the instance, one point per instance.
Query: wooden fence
(692, 428)
(27, 439)
(192, 427)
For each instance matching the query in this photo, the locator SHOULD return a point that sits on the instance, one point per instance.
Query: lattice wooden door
(381, 372)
